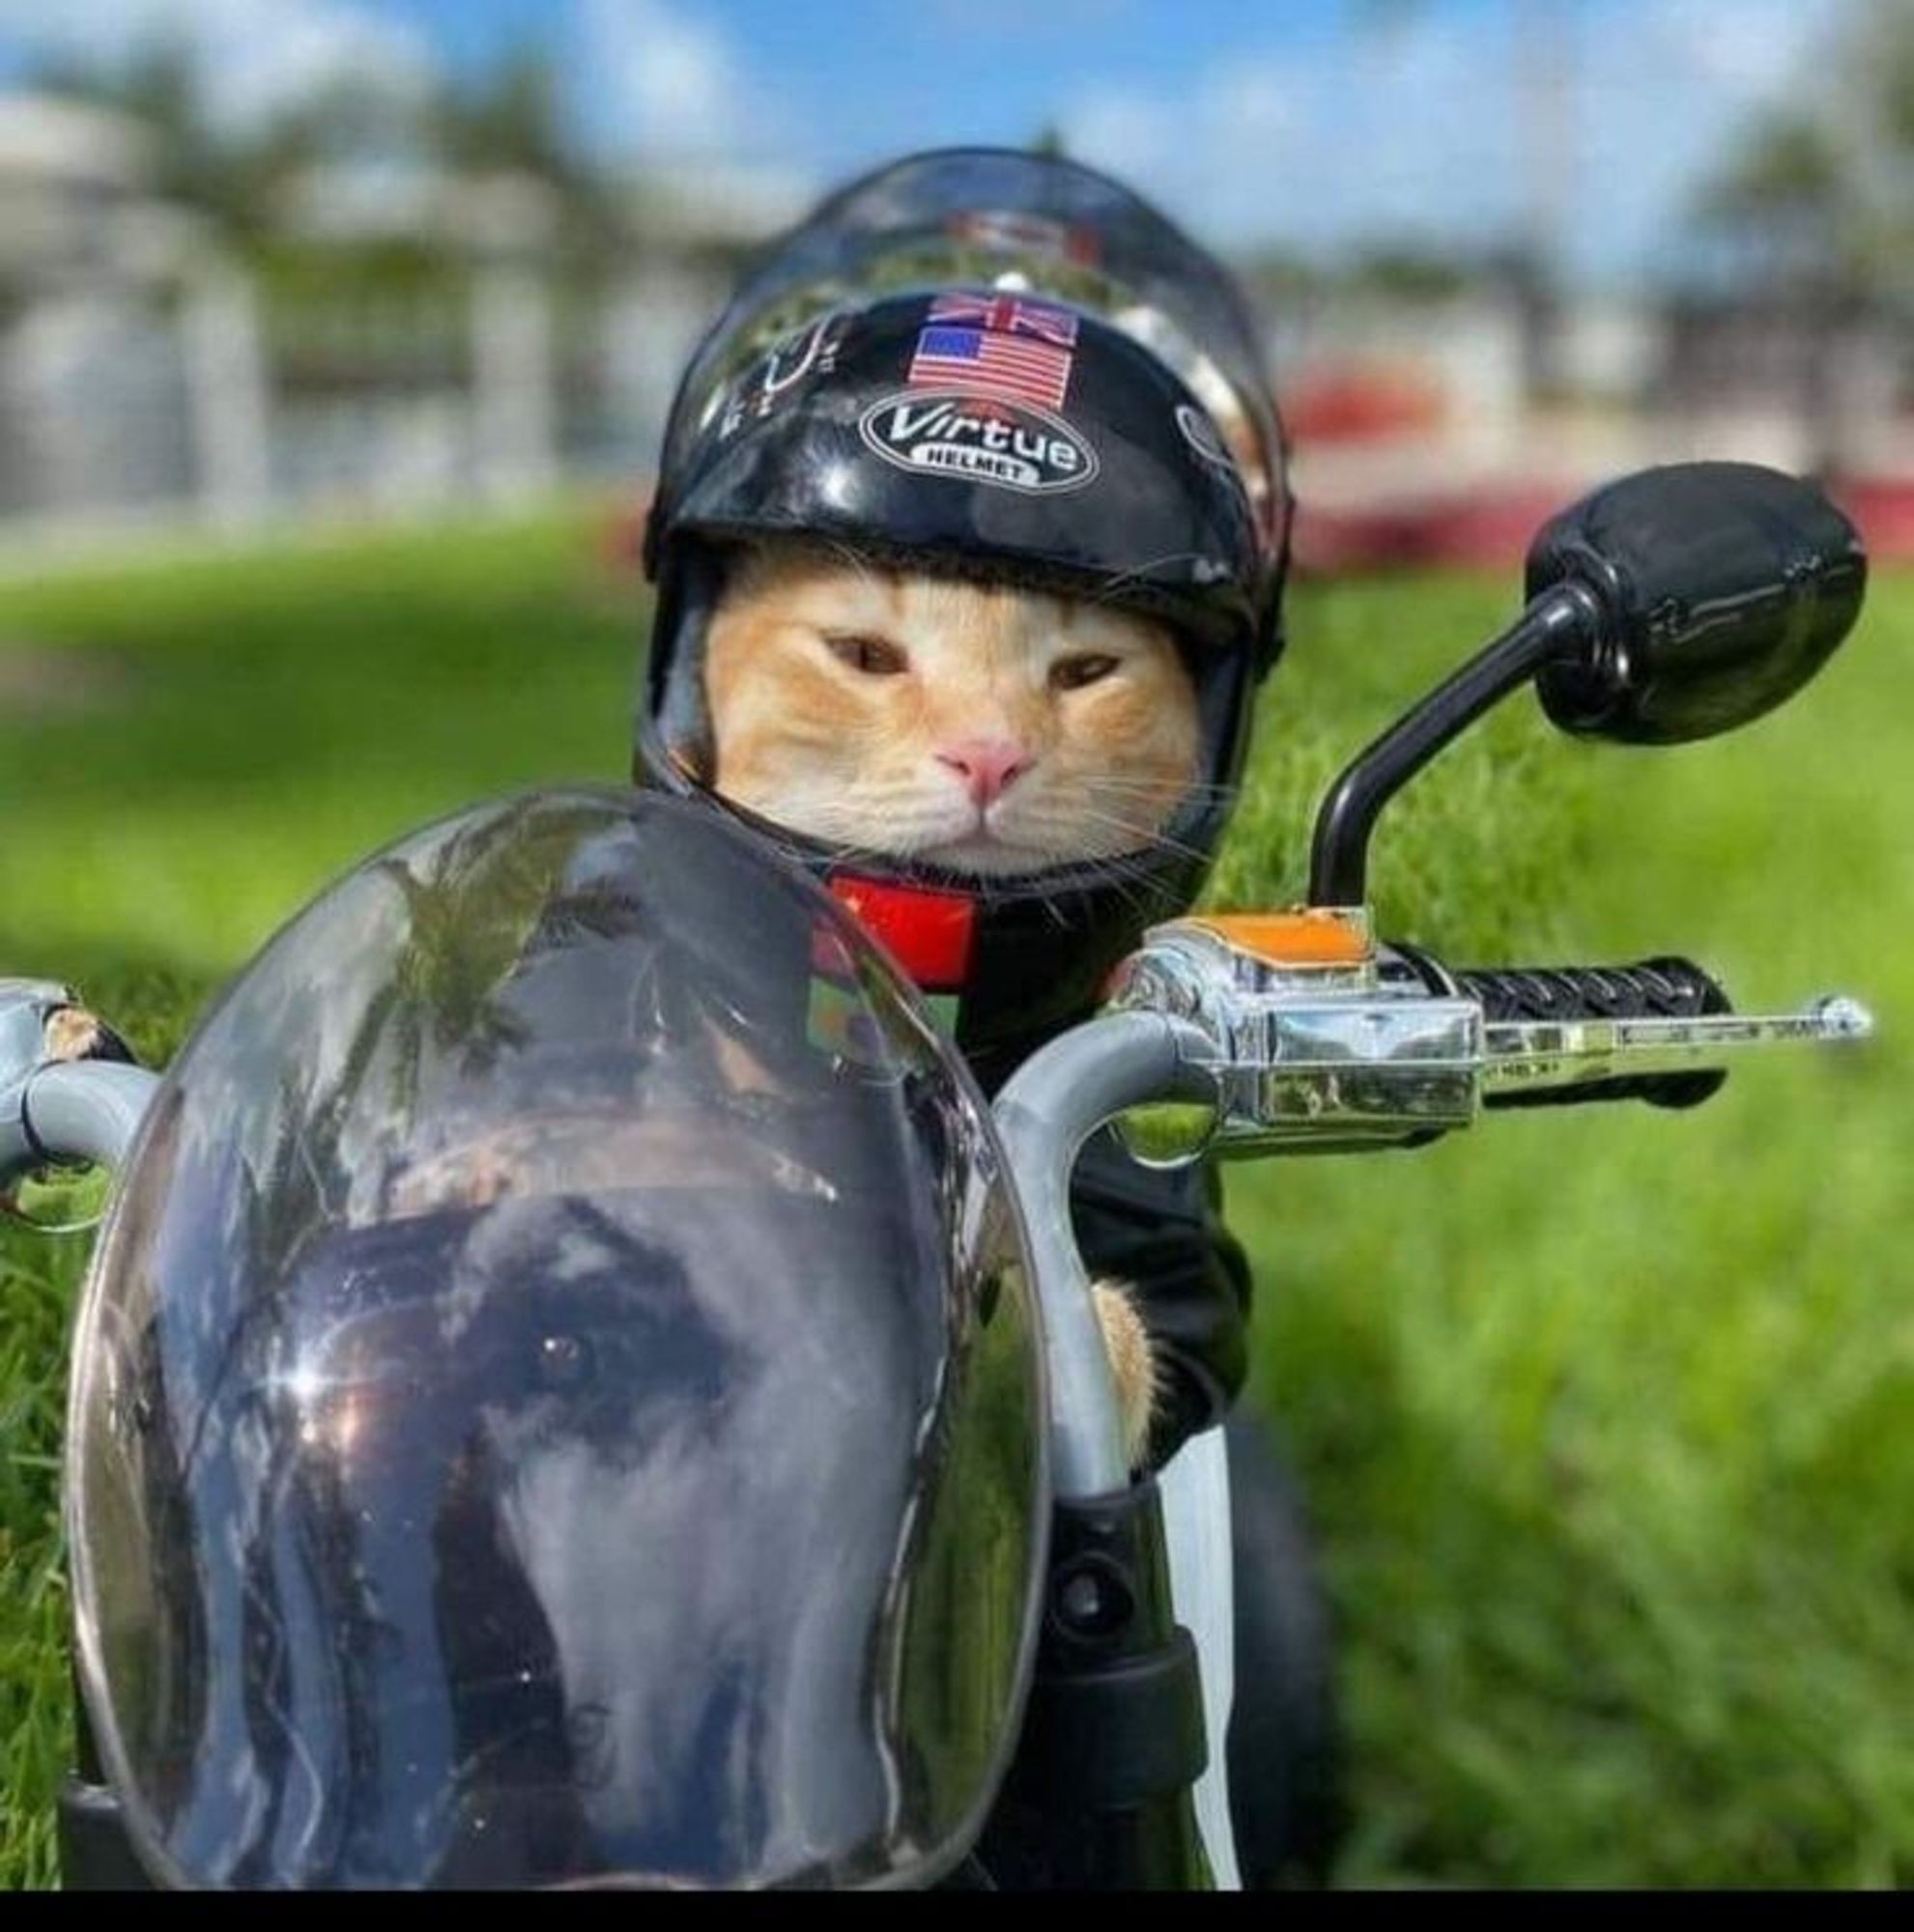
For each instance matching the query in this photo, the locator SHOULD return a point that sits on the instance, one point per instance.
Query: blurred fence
(146, 373)
(223, 398)
(394, 341)
(225, 402)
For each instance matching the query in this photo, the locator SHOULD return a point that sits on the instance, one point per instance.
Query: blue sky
(1314, 123)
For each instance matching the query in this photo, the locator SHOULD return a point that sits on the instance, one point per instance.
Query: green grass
(1607, 1419)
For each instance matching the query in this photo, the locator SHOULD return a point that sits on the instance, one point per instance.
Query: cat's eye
(1072, 674)
(876, 656)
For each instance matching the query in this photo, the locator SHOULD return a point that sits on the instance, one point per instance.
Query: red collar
(931, 936)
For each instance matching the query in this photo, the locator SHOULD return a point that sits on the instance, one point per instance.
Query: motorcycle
(575, 1386)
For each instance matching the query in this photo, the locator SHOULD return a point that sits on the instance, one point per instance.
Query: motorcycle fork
(95, 1853)
(1099, 1795)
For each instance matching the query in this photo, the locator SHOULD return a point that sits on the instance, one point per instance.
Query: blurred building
(94, 412)
(404, 334)
(1445, 429)
(409, 335)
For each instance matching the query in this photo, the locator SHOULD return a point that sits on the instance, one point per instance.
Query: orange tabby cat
(983, 727)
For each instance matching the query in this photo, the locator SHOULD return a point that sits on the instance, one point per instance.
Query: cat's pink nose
(987, 766)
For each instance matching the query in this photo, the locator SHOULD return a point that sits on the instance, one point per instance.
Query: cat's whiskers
(1154, 839)
(1141, 835)
(1155, 788)
(1120, 873)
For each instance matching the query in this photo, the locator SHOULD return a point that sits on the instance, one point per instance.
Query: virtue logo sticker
(1008, 445)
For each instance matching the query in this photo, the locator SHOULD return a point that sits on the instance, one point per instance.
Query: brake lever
(1317, 1040)
(1523, 1054)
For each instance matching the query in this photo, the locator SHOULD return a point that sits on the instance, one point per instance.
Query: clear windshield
(556, 1397)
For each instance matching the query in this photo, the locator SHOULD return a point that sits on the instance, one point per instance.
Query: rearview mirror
(1724, 588)
(1671, 605)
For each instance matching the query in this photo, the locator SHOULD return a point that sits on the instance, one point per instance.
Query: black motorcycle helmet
(1000, 366)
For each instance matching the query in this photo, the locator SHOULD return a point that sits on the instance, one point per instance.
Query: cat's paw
(1133, 1359)
(71, 1033)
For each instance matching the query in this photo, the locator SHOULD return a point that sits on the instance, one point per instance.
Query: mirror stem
(1564, 622)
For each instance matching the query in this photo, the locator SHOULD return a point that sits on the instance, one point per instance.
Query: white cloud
(1424, 129)
(1662, 104)
(253, 56)
(1305, 142)
(667, 86)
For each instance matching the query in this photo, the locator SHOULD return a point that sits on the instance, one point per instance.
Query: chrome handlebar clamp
(29, 1009)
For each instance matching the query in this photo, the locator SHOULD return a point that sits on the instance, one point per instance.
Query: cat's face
(982, 729)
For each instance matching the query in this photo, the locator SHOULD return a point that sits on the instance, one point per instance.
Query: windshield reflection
(520, 1411)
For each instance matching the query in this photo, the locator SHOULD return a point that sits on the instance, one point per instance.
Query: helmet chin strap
(688, 598)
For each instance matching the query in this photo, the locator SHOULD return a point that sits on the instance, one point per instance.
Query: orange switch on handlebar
(1309, 936)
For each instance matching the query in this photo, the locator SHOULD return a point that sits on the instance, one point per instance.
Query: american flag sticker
(995, 346)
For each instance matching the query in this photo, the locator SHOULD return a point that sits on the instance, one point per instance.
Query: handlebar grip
(1666, 989)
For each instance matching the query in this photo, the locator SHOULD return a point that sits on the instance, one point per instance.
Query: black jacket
(1163, 1235)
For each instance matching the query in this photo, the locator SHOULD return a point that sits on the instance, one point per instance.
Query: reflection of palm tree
(489, 903)
(489, 900)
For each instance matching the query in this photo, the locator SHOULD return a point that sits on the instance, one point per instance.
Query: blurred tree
(508, 119)
(513, 119)
(231, 175)
(1791, 197)
(1818, 197)
(1410, 271)
(1815, 205)
(1884, 58)
(1880, 71)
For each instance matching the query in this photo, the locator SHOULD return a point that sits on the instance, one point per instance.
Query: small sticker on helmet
(797, 358)
(1004, 445)
(1017, 231)
(1200, 435)
(996, 345)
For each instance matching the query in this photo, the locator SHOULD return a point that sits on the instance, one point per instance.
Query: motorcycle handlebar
(1660, 988)
(1321, 1041)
